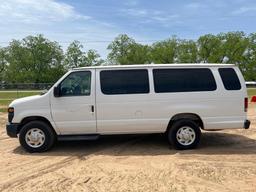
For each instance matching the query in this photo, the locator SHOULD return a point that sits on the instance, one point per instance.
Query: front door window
(76, 84)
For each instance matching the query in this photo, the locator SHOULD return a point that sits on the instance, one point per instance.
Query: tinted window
(76, 84)
(124, 81)
(183, 80)
(229, 79)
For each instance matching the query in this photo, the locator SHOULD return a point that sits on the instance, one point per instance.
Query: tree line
(36, 59)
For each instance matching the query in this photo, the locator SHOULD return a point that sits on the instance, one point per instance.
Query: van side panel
(229, 111)
(151, 113)
(126, 113)
(219, 109)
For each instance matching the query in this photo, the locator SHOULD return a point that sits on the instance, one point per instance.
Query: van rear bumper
(247, 124)
(12, 129)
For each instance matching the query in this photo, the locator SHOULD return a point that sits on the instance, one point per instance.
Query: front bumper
(247, 124)
(12, 129)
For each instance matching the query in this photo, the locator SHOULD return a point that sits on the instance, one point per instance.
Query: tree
(74, 56)
(138, 54)
(119, 49)
(209, 49)
(164, 51)
(3, 63)
(34, 59)
(124, 50)
(248, 67)
(19, 68)
(187, 51)
(46, 58)
(92, 58)
(234, 45)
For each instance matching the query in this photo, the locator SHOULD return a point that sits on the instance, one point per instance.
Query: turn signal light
(10, 110)
(10, 114)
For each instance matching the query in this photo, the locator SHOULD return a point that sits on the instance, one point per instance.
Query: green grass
(251, 92)
(7, 97)
(15, 95)
(5, 102)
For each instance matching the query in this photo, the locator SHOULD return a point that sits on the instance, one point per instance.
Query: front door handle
(92, 108)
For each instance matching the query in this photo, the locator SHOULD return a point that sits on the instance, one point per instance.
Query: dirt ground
(225, 161)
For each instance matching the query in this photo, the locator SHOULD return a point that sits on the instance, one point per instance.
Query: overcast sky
(96, 22)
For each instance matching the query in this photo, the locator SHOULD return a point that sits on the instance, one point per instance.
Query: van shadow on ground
(212, 143)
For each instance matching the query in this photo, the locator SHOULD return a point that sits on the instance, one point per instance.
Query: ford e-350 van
(176, 99)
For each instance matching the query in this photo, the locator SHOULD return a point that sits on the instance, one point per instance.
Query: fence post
(17, 93)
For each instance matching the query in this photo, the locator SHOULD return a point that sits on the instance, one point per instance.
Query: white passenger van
(176, 99)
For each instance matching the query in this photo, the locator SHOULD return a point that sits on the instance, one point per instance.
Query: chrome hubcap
(186, 135)
(35, 137)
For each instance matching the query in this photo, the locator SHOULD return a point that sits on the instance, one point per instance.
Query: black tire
(180, 124)
(49, 139)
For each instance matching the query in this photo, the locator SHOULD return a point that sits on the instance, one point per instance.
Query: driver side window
(76, 84)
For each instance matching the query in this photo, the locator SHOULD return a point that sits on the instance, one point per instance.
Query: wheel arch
(191, 116)
(26, 120)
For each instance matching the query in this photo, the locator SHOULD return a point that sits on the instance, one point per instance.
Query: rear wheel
(184, 134)
(36, 136)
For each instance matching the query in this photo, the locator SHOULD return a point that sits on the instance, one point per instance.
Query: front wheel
(184, 134)
(36, 136)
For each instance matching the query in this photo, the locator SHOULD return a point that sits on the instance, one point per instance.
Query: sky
(95, 23)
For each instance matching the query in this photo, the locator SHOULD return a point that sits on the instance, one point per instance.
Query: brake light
(245, 104)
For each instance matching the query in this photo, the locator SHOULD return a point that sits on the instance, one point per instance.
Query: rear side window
(183, 80)
(229, 79)
(124, 81)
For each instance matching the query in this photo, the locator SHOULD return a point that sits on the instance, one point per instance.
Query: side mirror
(56, 91)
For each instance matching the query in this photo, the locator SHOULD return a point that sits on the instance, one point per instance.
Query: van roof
(182, 65)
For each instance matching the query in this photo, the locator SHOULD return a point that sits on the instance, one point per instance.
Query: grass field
(6, 97)
(251, 92)
(15, 94)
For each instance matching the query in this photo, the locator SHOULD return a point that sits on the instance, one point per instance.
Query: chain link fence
(24, 86)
